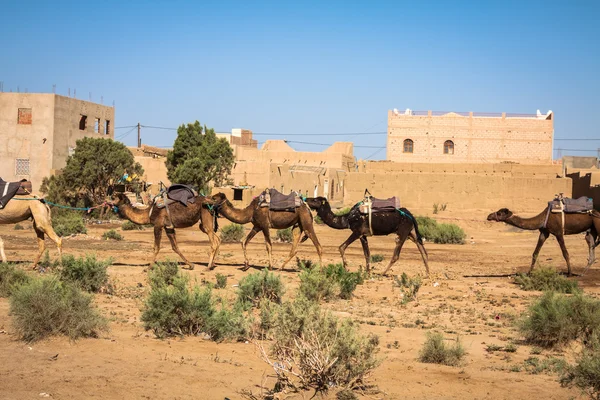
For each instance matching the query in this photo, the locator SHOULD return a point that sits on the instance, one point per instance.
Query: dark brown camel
(402, 223)
(574, 223)
(182, 217)
(263, 219)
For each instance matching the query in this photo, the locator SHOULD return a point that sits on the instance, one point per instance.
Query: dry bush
(546, 279)
(435, 351)
(232, 233)
(11, 277)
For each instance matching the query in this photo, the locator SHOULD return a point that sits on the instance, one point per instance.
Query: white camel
(21, 208)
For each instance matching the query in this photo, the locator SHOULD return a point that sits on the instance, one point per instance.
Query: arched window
(408, 146)
(448, 147)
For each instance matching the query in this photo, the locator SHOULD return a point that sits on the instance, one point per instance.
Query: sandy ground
(131, 363)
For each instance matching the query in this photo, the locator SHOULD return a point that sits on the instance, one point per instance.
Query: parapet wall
(522, 188)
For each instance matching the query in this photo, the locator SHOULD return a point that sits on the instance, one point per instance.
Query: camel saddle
(379, 205)
(176, 193)
(9, 189)
(569, 206)
(277, 201)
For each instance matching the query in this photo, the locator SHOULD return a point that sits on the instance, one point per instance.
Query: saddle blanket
(569, 206)
(277, 201)
(9, 189)
(182, 194)
(380, 205)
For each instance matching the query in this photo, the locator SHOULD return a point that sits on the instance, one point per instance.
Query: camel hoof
(191, 267)
(211, 267)
(246, 267)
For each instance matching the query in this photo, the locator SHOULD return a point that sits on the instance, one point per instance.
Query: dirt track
(130, 363)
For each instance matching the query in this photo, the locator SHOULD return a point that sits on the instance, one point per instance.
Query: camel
(574, 223)
(21, 208)
(263, 219)
(181, 216)
(402, 223)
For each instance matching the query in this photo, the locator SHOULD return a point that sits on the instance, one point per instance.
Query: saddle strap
(168, 211)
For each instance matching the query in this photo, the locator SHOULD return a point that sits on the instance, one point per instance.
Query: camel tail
(415, 223)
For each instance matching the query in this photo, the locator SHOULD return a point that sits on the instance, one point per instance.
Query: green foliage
(536, 366)
(95, 164)
(198, 157)
(435, 232)
(332, 281)
(554, 320)
(163, 274)
(19, 227)
(11, 277)
(260, 285)
(377, 258)
(318, 220)
(68, 223)
(285, 235)
(323, 350)
(342, 211)
(112, 235)
(46, 307)
(232, 233)
(173, 308)
(585, 374)
(410, 286)
(221, 281)
(130, 226)
(435, 351)
(546, 279)
(87, 273)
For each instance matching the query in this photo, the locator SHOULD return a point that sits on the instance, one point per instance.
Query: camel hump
(10, 189)
(277, 201)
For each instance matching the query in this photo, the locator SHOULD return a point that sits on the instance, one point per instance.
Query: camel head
(501, 215)
(316, 202)
(217, 199)
(119, 199)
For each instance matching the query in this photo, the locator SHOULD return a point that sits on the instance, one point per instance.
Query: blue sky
(312, 66)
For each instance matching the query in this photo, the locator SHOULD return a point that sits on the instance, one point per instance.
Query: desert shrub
(322, 350)
(377, 258)
(163, 273)
(46, 306)
(435, 351)
(435, 232)
(112, 234)
(232, 233)
(410, 286)
(342, 211)
(318, 220)
(87, 273)
(19, 227)
(130, 226)
(68, 223)
(221, 281)
(304, 263)
(585, 374)
(550, 365)
(285, 235)
(267, 312)
(555, 320)
(176, 309)
(11, 277)
(330, 282)
(260, 285)
(546, 279)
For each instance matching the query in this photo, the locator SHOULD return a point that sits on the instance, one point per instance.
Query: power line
(158, 127)
(329, 144)
(124, 127)
(319, 134)
(124, 135)
(579, 140)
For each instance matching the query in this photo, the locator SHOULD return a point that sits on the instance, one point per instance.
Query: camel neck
(332, 220)
(135, 215)
(531, 224)
(237, 215)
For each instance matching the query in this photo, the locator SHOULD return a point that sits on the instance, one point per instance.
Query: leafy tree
(95, 164)
(198, 157)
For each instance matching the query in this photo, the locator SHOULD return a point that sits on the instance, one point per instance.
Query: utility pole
(139, 135)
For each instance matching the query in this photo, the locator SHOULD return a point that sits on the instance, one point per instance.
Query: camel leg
(295, 242)
(41, 244)
(252, 233)
(269, 246)
(157, 237)
(173, 239)
(544, 233)
(215, 243)
(2, 250)
(561, 242)
(399, 243)
(313, 236)
(422, 250)
(344, 246)
(590, 238)
(367, 251)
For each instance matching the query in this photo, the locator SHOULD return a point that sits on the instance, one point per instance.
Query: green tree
(198, 157)
(95, 164)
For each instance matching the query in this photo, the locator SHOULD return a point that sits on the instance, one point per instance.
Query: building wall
(477, 138)
(522, 188)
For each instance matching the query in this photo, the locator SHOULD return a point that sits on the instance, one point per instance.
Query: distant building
(38, 132)
(238, 137)
(458, 137)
